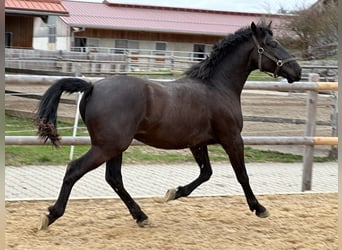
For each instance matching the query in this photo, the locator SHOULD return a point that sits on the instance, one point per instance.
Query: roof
(35, 7)
(155, 18)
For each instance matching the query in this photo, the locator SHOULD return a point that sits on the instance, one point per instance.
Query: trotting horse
(199, 109)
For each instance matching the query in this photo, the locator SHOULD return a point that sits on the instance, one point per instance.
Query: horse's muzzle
(295, 75)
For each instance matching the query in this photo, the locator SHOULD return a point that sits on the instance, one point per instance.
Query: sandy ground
(307, 221)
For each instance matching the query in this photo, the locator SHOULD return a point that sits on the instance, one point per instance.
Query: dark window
(199, 51)
(80, 44)
(8, 39)
(120, 46)
(161, 46)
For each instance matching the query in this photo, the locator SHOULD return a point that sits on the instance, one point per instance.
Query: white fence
(108, 61)
(309, 140)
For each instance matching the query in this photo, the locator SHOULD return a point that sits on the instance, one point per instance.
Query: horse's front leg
(114, 179)
(201, 156)
(235, 150)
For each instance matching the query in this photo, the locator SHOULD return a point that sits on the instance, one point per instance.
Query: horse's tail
(46, 116)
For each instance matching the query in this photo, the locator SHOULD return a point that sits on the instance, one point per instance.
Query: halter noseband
(279, 62)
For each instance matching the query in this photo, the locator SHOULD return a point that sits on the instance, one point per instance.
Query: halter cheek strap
(279, 62)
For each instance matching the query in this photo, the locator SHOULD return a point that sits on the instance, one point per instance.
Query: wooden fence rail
(250, 85)
(248, 140)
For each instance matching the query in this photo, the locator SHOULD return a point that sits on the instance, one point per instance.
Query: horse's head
(271, 57)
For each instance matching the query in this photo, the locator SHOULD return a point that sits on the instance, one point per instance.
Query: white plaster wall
(63, 43)
(40, 43)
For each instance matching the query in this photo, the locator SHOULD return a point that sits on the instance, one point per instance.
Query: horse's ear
(269, 25)
(253, 28)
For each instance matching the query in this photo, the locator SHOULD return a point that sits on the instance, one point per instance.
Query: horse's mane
(204, 69)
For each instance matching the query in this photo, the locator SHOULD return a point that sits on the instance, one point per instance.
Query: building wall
(145, 41)
(41, 34)
(21, 30)
(148, 36)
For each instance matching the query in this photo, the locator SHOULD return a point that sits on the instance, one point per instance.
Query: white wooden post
(310, 132)
(77, 117)
(78, 73)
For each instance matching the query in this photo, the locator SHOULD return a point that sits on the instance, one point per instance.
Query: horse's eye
(273, 44)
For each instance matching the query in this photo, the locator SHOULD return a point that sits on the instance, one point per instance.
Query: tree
(313, 28)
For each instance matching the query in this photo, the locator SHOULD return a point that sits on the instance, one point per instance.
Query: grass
(257, 75)
(48, 155)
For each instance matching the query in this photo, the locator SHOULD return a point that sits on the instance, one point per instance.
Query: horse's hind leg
(114, 178)
(75, 170)
(201, 156)
(235, 150)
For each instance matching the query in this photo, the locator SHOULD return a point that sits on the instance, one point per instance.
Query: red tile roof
(153, 18)
(35, 6)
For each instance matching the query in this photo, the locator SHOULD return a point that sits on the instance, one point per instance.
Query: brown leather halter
(279, 62)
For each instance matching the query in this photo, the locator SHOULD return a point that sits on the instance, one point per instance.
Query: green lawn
(48, 155)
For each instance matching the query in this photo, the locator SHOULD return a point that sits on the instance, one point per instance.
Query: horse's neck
(234, 70)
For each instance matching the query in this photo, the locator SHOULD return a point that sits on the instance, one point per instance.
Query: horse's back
(113, 110)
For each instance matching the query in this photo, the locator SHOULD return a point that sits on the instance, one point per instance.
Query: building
(137, 29)
(65, 36)
(24, 17)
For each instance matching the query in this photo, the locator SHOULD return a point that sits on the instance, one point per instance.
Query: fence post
(334, 124)
(310, 132)
(78, 73)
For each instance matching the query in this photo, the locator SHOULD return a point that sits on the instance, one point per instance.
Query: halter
(279, 62)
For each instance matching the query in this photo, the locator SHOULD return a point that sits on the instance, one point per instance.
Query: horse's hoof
(44, 222)
(170, 194)
(144, 223)
(264, 214)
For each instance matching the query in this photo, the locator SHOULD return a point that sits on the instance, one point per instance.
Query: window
(8, 39)
(80, 44)
(133, 47)
(161, 46)
(121, 45)
(52, 34)
(51, 22)
(199, 52)
(160, 52)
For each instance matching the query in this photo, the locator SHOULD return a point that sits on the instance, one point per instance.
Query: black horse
(192, 112)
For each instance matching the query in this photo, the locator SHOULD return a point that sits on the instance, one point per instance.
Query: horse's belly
(174, 139)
